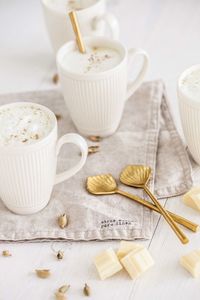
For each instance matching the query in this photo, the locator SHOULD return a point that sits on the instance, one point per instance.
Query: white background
(169, 30)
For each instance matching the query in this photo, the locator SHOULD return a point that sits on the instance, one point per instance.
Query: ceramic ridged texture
(191, 126)
(101, 184)
(135, 175)
(28, 179)
(96, 105)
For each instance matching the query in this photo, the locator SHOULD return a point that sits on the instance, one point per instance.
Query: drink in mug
(95, 60)
(28, 156)
(189, 104)
(95, 84)
(92, 16)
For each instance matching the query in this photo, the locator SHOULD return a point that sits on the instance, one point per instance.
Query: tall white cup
(96, 101)
(93, 20)
(189, 105)
(28, 172)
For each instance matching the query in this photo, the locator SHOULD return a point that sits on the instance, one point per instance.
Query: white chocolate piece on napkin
(137, 262)
(192, 198)
(107, 263)
(191, 262)
(126, 247)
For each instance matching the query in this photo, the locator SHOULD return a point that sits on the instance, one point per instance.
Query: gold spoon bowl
(105, 184)
(138, 176)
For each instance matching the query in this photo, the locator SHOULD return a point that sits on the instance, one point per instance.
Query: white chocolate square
(191, 262)
(137, 262)
(192, 198)
(126, 247)
(107, 263)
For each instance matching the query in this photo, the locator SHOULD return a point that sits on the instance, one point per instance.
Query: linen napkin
(146, 135)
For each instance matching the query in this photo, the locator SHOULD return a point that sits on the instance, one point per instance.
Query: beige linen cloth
(146, 135)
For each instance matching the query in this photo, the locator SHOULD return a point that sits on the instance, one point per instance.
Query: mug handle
(111, 22)
(133, 85)
(71, 138)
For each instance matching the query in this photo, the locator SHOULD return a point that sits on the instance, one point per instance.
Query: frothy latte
(95, 60)
(23, 124)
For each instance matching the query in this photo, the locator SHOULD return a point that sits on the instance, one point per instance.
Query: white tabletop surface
(169, 31)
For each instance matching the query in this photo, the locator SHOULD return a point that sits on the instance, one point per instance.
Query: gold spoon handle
(182, 237)
(180, 220)
(76, 28)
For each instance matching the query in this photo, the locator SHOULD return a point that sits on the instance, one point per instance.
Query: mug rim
(81, 11)
(116, 45)
(40, 143)
(187, 97)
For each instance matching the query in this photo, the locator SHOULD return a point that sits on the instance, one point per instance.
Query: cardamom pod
(6, 253)
(94, 138)
(58, 117)
(62, 221)
(64, 288)
(55, 78)
(60, 254)
(60, 296)
(93, 149)
(43, 273)
(86, 290)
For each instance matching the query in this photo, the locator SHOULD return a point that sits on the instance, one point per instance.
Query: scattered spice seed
(55, 78)
(60, 255)
(64, 288)
(62, 221)
(60, 296)
(58, 117)
(43, 273)
(6, 253)
(86, 290)
(93, 149)
(25, 140)
(95, 138)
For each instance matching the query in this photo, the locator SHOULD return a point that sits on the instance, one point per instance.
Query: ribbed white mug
(94, 21)
(189, 107)
(96, 101)
(28, 172)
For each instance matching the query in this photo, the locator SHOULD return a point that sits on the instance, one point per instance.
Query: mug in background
(28, 172)
(96, 101)
(93, 20)
(188, 90)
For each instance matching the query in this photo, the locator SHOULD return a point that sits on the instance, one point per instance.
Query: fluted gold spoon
(105, 184)
(138, 176)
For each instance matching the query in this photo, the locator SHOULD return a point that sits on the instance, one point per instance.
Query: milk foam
(23, 125)
(95, 60)
(190, 84)
(68, 5)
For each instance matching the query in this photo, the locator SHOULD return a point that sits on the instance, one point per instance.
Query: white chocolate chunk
(191, 262)
(107, 264)
(137, 262)
(126, 247)
(192, 198)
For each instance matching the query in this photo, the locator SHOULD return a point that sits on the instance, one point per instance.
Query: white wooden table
(169, 30)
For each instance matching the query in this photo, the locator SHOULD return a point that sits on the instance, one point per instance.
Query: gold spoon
(138, 176)
(105, 184)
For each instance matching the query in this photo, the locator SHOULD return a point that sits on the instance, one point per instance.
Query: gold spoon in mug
(138, 176)
(105, 184)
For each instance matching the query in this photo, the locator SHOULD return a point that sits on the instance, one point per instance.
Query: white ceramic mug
(96, 101)
(189, 106)
(28, 172)
(93, 20)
